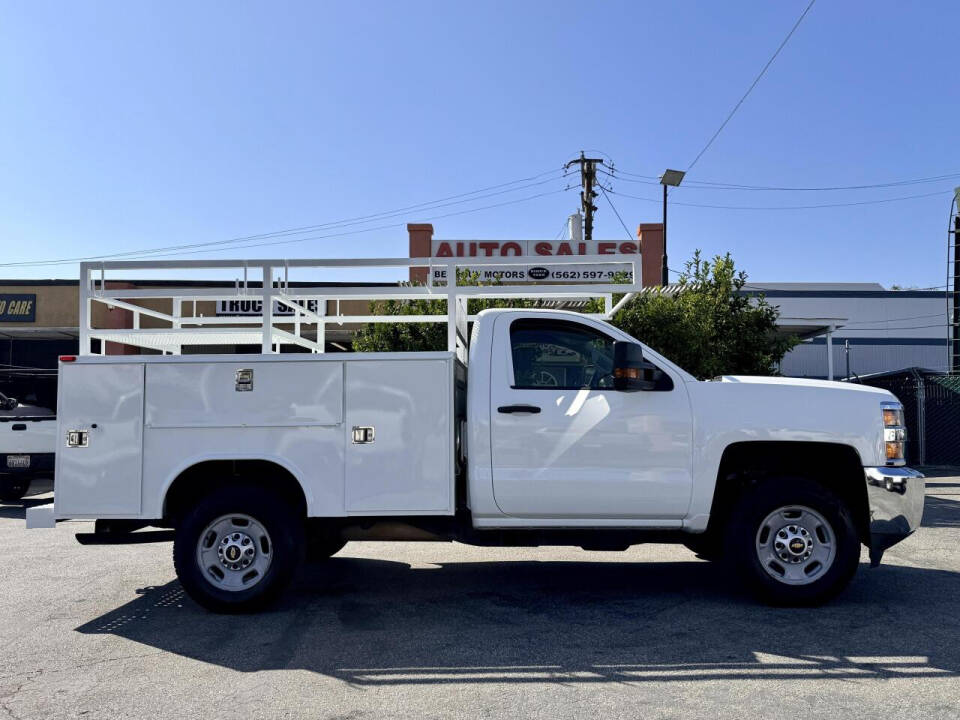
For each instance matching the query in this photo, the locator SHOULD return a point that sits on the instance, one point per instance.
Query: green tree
(710, 327)
(410, 337)
(403, 336)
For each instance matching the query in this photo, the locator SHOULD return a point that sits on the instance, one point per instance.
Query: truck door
(100, 475)
(565, 444)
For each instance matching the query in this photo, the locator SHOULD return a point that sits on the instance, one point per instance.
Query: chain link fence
(931, 408)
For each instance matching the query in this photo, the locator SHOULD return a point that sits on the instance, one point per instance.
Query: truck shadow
(17, 510)
(941, 512)
(374, 622)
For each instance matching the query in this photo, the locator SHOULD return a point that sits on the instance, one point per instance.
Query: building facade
(862, 326)
(874, 329)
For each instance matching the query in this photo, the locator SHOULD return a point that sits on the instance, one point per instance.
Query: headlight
(894, 433)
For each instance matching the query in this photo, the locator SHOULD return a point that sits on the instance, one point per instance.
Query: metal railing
(183, 325)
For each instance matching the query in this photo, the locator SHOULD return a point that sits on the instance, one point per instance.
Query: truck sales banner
(539, 251)
(255, 307)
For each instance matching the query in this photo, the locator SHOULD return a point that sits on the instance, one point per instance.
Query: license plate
(18, 461)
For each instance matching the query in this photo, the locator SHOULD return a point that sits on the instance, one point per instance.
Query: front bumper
(895, 497)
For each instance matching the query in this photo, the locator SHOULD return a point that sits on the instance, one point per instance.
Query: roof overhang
(11, 332)
(808, 327)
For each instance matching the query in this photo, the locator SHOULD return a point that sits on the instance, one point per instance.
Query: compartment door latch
(78, 438)
(362, 435)
(244, 380)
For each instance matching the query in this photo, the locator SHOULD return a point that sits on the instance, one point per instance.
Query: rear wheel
(238, 549)
(14, 488)
(793, 542)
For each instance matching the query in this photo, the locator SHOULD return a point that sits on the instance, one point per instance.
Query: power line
(292, 231)
(752, 85)
(899, 319)
(785, 207)
(338, 224)
(616, 212)
(705, 185)
(372, 229)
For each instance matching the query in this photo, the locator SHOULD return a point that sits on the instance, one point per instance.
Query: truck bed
(363, 433)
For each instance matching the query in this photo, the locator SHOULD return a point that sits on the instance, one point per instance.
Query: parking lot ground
(432, 630)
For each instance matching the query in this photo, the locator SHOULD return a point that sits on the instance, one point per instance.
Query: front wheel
(793, 542)
(238, 549)
(322, 546)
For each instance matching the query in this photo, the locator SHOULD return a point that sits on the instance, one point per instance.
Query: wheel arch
(199, 477)
(836, 466)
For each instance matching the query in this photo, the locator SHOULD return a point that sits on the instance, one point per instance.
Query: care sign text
(18, 307)
(539, 269)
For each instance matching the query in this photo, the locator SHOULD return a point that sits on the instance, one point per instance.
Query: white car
(27, 445)
(560, 430)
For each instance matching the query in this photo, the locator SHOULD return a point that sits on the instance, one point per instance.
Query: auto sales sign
(539, 251)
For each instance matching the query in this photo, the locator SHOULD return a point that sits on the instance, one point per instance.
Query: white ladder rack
(169, 331)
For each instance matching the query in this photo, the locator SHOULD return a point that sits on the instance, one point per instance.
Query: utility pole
(588, 176)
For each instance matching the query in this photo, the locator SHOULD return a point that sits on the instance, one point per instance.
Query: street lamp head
(672, 177)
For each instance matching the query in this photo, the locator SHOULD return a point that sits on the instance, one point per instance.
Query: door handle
(19, 426)
(518, 409)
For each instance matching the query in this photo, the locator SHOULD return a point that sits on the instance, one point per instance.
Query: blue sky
(138, 125)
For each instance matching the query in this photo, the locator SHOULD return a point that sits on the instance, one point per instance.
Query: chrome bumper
(895, 496)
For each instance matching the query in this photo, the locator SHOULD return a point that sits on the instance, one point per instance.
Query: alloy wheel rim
(234, 552)
(796, 545)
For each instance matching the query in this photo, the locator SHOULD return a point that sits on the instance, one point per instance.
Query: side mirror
(10, 403)
(630, 371)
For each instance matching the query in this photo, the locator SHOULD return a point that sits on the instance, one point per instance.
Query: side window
(553, 354)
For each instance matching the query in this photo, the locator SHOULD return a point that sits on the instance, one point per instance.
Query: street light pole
(670, 178)
(664, 270)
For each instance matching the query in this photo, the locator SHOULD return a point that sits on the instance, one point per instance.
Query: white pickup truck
(564, 431)
(27, 445)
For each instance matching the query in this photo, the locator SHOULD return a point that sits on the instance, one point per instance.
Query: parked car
(27, 443)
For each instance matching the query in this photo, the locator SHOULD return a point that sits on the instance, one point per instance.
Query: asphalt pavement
(434, 630)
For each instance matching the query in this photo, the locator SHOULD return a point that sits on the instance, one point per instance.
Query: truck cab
(557, 443)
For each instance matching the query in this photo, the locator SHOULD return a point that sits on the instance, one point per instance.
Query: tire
(322, 547)
(213, 543)
(14, 488)
(793, 542)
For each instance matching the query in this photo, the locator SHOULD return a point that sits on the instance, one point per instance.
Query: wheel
(14, 488)
(705, 546)
(238, 549)
(322, 547)
(793, 542)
